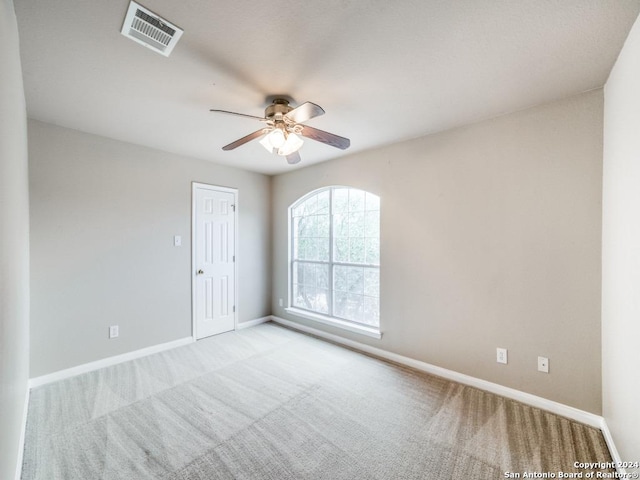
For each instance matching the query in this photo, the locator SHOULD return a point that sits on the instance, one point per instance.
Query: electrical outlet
(114, 331)
(543, 364)
(280, 302)
(501, 355)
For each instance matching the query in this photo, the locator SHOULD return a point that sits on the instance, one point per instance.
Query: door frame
(234, 191)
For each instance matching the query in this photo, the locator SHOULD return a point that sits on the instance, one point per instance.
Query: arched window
(335, 255)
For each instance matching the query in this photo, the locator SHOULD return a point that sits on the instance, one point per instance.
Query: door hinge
(234, 258)
(234, 207)
(234, 309)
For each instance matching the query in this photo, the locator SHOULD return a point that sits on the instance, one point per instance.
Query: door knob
(200, 272)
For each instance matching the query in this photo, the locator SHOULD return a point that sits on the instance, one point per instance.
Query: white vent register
(148, 29)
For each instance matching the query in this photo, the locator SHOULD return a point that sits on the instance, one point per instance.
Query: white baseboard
(106, 362)
(615, 455)
(253, 323)
(23, 433)
(526, 398)
(125, 357)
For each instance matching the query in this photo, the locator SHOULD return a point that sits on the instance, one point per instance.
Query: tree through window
(335, 254)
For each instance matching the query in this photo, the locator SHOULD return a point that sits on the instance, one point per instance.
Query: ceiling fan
(283, 127)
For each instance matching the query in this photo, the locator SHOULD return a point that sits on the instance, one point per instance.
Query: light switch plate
(177, 241)
(114, 331)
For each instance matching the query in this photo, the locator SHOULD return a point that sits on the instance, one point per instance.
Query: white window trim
(335, 322)
(369, 331)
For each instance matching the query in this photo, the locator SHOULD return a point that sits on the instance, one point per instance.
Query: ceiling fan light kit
(281, 143)
(273, 140)
(293, 144)
(281, 136)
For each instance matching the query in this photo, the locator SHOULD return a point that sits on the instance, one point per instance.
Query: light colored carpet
(270, 403)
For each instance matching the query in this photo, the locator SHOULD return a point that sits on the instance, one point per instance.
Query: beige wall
(14, 244)
(621, 250)
(103, 217)
(490, 238)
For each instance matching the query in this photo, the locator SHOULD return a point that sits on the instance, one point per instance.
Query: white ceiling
(383, 71)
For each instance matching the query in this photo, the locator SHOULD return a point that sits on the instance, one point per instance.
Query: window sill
(334, 322)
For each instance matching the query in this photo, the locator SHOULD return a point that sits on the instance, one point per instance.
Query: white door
(214, 260)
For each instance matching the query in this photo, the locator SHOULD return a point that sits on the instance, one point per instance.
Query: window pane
(298, 210)
(322, 245)
(355, 280)
(321, 303)
(341, 250)
(340, 278)
(322, 276)
(355, 307)
(348, 306)
(310, 229)
(371, 311)
(298, 295)
(372, 251)
(309, 297)
(322, 226)
(348, 279)
(372, 282)
(356, 200)
(356, 250)
(356, 224)
(310, 274)
(340, 226)
(323, 202)
(303, 248)
(372, 224)
(340, 304)
(312, 249)
(311, 205)
(340, 200)
(307, 225)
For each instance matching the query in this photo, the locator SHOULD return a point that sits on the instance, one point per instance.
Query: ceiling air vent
(145, 27)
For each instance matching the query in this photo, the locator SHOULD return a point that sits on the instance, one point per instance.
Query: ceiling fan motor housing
(280, 106)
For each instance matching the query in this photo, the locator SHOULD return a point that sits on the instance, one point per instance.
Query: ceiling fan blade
(305, 112)
(243, 140)
(238, 114)
(293, 158)
(325, 137)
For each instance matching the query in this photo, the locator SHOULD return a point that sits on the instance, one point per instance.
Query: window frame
(329, 318)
